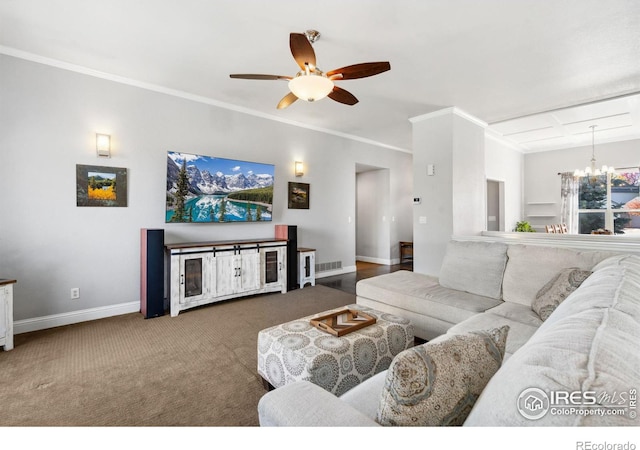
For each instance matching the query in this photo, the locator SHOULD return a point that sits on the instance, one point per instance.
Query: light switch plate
(431, 169)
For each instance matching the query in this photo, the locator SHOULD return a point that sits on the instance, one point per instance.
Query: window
(610, 204)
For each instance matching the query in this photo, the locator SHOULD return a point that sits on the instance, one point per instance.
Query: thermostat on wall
(417, 200)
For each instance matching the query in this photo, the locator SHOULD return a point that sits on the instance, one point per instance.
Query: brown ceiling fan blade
(287, 100)
(257, 76)
(342, 96)
(302, 50)
(362, 70)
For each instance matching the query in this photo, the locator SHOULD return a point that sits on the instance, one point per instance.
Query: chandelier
(593, 170)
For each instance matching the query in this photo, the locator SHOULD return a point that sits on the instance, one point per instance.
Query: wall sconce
(103, 145)
(299, 168)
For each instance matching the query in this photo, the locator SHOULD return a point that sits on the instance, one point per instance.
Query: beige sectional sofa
(588, 345)
(480, 284)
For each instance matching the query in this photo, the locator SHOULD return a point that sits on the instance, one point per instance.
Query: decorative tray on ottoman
(343, 322)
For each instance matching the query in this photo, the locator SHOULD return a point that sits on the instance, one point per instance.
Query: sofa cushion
(517, 313)
(597, 291)
(437, 383)
(589, 344)
(475, 267)
(521, 327)
(304, 404)
(625, 259)
(557, 289)
(421, 293)
(424, 326)
(530, 267)
(365, 397)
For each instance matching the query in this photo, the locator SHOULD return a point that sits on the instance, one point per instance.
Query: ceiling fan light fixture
(310, 86)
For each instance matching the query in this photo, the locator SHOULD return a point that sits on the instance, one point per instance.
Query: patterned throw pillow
(557, 289)
(437, 383)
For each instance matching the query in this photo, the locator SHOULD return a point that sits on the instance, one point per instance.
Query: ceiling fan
(310, 83)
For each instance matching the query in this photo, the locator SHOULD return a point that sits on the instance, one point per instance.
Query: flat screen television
(204, 189)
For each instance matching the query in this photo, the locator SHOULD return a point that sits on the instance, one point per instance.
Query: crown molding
(495, 136)
(9, 51)
(488, 131)
(453, 110)
(608, 140)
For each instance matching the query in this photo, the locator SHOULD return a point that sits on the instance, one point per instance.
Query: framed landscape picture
(298, 195)
(101, 186)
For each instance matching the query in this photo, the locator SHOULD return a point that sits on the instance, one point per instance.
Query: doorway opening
(495, 205)
(373, 221)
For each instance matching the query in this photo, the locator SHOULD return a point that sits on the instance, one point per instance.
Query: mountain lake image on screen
(205, 189)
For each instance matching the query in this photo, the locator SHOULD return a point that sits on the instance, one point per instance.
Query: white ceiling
(614, 120)
(493, 59)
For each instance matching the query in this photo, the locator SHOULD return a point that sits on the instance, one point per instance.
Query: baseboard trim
(85, 315)
(58, 320)
(331, 273)
(381, 261)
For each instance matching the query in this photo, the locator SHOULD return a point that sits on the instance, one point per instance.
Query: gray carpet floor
(197, 369)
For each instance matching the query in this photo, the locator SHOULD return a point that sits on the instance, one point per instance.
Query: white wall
(48, 120)
(453, 199)
(432, 143)
(468, 177)
(542, 182)
(506, 164)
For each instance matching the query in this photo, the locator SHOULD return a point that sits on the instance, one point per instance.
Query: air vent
(324, 267)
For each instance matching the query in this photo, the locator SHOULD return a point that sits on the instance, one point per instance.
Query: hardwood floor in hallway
(347, 282)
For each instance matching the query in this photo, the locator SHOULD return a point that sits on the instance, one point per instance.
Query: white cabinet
(306, 267)
(203, 273)
(6, 313)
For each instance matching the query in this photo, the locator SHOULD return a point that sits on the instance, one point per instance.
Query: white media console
(208, 272)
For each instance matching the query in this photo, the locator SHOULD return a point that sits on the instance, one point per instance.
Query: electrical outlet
(75, 293)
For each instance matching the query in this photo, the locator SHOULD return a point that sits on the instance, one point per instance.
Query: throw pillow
(474, 267)
(557, 289)
(437, 383)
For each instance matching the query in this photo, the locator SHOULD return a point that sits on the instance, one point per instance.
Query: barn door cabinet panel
(237, 271)
(203, 273)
